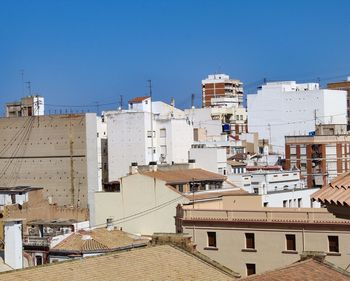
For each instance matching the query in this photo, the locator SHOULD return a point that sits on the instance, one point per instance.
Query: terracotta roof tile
(151, 263)
(138, 99)
(215, 194)
(310, 270)
(337, 192)
(185, 176)
(95, 240)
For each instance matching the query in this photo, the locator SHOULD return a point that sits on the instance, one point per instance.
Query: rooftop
(138, 99)
(58, 222)
(96, 240)
(310, 269)
(17, 189)
(185, 176)
(337, 192)
(214, 194)
(151, 263)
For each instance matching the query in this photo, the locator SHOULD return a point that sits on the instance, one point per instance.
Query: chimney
(172, 102)
(134, 168)
(153, 166)
(191, 163)
(109, 223)
(13, 243)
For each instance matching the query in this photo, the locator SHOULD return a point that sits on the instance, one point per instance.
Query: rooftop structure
(27, 106)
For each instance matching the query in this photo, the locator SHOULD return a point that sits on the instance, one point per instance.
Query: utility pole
(315, 118)
(29, 87)
(22, 76)
(121, 102)
(150, 94)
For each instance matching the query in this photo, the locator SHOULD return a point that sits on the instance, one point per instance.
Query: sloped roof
(99, 239)
(185, 176)
(310, 270)
(235, 163)
(152, 263)
(138, 99)
(337, 192)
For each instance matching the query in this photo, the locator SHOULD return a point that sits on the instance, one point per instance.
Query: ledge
(211, 248)
(333, 254)
(289, 252)
(249, 250)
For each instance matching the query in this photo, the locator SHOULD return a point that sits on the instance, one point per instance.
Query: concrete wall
(143, 206)
(51, 152)
(211, 159)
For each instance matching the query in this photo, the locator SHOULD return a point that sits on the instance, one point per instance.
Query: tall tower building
(218, 90)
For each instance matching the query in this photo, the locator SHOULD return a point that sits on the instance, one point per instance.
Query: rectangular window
(333, 243)
(284, 203)
(181, 188)
(149, 134)
(300, 203)
(211, 239)
(250, 268)
(290, 242)
(162, 133)
(249, 241)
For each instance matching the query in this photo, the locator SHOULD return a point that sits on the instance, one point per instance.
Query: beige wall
(50, 152)
(269, 244)
(151, 199)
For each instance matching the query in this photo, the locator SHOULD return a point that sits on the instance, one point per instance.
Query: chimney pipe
(134, 168)
(191, 163)
(13, 243)
(109, 223)
(153, 166)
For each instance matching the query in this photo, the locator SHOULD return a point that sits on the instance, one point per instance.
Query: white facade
(130, 137)
(286, 108)
(13, 244)
(212, 159)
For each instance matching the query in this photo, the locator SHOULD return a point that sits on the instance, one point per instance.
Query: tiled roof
(151, 263)
(138, 99)
(185, 176)
(214, 194)
(310, 270)
(99, 239)
(337, 192)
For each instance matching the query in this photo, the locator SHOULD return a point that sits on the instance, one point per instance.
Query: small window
(249, 241)
(250, 268)
(290, 242)
(211, 239)
(300, 202)
(284, 203)
(181, 188)
(256, 190)
(149, 134)
(333, 243)
(162, 133)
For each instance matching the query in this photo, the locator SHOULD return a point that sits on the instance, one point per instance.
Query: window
(333, 243)
(290, 242)
(149, 134)
(266, 204)
(39, 260)
(250, 268)
(181, 188)
(256, 190)
(162, 133)
(211, 239)
(249, 241)
(284, 203)
(300, 200)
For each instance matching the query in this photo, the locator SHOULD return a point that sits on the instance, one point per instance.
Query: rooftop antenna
(29, 87)
(22, 79)
(150, 94)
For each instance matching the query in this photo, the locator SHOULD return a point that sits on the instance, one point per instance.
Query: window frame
(249, 240)
(336, 246)
(211, 239)
(293, 247)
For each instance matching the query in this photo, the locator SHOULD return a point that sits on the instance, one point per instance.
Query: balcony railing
(36, 241)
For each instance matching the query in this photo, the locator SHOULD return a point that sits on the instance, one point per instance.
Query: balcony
(36, 241)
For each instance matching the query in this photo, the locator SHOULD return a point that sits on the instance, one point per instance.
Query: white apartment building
(286, 108)
(137, 135)
(277, 188)
(212, 159)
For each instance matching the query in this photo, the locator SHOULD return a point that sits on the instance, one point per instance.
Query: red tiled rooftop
(337, 192)
(138, 99)
(310, 270)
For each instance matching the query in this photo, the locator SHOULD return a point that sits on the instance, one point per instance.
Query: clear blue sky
(80, 52)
